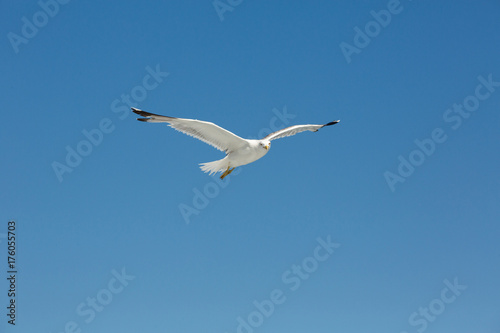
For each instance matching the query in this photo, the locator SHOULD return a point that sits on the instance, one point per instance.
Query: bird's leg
(227, 172)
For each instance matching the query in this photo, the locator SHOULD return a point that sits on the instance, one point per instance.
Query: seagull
(238, 151)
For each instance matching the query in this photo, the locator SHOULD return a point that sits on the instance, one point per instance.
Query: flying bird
(238, 151)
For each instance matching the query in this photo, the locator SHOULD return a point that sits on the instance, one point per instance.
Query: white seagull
(238, 151)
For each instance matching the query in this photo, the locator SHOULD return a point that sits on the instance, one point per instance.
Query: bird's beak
(266, 147)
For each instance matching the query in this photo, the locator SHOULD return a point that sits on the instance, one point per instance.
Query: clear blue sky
(414, 249)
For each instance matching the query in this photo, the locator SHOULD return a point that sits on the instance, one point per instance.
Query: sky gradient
(385, 222)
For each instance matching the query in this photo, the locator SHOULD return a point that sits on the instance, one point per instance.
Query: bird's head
(265, 144)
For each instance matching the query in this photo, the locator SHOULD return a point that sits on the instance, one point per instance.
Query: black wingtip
(141, 113)
(148, 114)
(331, 123)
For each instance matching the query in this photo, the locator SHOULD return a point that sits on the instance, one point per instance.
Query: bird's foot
(227, 172)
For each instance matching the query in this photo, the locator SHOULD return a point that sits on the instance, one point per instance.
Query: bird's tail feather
(215, 166)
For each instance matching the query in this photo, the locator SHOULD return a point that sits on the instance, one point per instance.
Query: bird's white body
(238, 151)
(247, 154)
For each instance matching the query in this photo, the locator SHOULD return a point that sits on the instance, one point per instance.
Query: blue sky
(386, 222)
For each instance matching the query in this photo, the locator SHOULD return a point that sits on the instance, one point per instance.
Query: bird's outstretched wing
(292, 130)
(205, 131)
